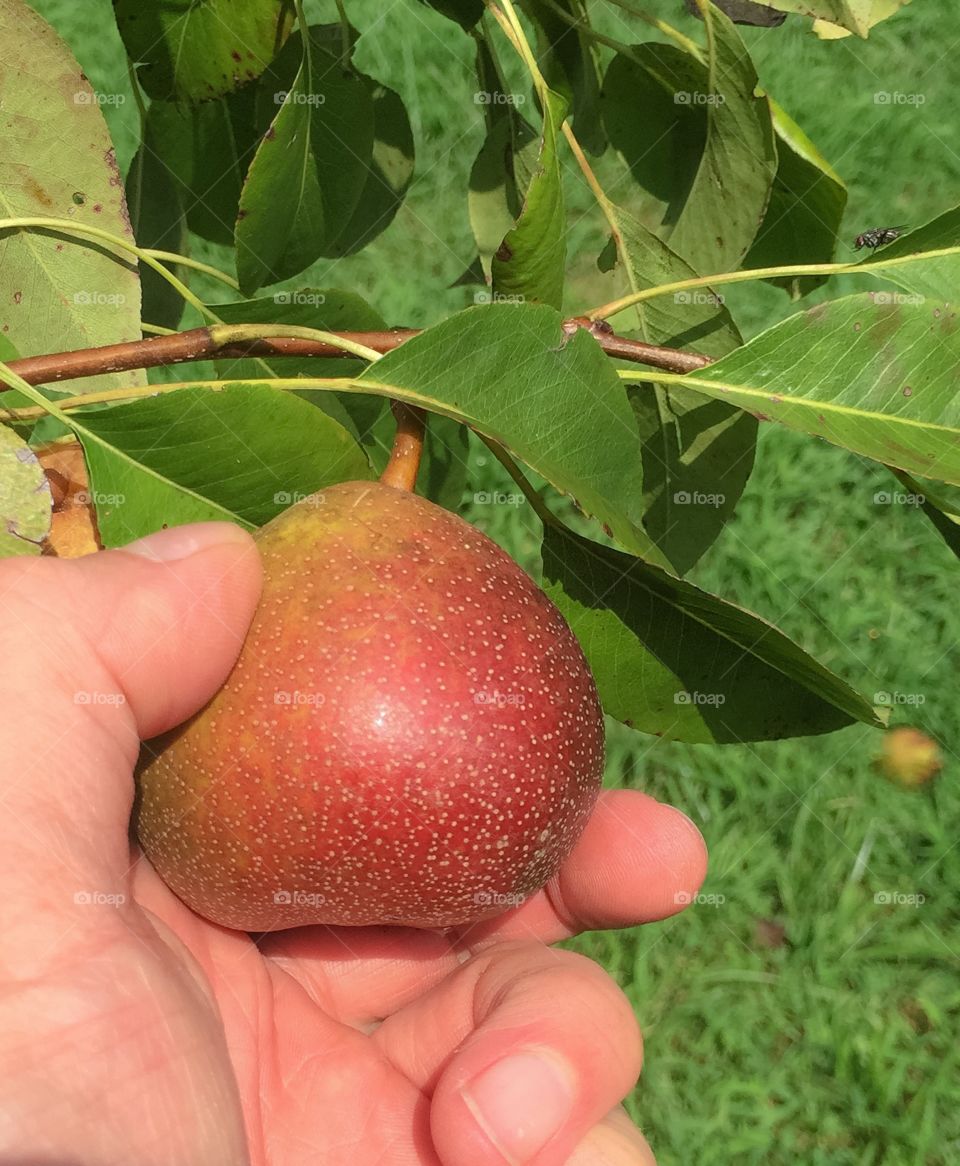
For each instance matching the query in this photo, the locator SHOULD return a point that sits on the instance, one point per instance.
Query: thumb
(100, 652)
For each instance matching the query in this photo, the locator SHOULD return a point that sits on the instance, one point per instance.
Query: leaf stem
(345, 45)
(137, 95)
(196, 264)
(537, 504)
(68, 227)
(688, 45)
(510, 23)
(864, 267)
(587, 170)
(585, 29)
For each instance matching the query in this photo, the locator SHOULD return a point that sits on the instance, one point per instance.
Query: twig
(207, 344)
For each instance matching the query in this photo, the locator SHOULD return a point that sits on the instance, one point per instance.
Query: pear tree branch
(239, 341)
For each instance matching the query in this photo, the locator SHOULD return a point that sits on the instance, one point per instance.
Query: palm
(291, 1014)
(297, 1005)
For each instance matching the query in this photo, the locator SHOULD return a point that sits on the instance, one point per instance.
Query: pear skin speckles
(411, 734)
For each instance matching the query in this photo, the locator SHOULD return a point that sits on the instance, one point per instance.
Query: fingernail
(521, 1102)
(179, 542)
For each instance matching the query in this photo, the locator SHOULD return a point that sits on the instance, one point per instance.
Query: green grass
(838, 1044)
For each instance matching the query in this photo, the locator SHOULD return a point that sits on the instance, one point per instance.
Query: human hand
(133, 1031)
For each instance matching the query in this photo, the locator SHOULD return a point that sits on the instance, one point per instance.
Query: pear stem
(404, 464)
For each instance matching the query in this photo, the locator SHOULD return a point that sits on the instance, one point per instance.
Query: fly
(877, 236)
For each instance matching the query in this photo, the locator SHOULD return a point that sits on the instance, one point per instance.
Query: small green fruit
(411, 734)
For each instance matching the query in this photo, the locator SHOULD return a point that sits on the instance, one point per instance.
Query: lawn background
(791, 1015)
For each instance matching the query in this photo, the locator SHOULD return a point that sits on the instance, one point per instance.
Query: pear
(909, 757)
(410, 736)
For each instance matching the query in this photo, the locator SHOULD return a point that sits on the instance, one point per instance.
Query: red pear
(411, 734)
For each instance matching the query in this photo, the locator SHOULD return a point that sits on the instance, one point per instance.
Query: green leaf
(280, 226)
(554, 400)
(729, 194)
(659, 135)
(158, 221)
(942, 509)
(242, 454)
(389, 172)
(568, 61)
(529, 265)
(867, 373)
(466, 13)
(914, 268)
(46, 428)
(305, 183)
(673, 660)
(445, 466)
(698, 140)
(189, 51)
(328, 309)
(205, 150)
(493, 199)
(368, 418)
(806, 205)
(697, 453)
(56, 160)
(697, 456)
(25, 501)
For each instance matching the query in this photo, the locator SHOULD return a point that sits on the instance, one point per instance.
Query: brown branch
(181, 347)
(404, 464)
(637, 351)
(200, 344)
